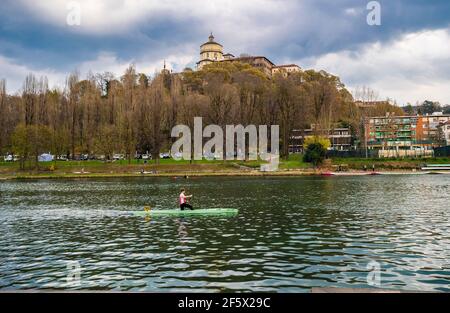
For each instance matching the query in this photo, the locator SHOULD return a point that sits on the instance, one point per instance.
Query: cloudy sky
(406, 58)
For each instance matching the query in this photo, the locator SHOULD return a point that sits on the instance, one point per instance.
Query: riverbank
(198, 175)
(170, 168)
(170, 175)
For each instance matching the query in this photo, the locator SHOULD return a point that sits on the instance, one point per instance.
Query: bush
(315, 153)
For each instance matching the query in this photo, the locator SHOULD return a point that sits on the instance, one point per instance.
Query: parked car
(118, 157)
(143, 156)
(62, 158)
(11, 158)
(165, 155)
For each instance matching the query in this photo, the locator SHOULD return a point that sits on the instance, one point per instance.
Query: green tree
(40, 141)
(31, 141)
(316, 150)
(106, 142)
(20, 144)
(429, 107)
(409, 109)
(325, 142)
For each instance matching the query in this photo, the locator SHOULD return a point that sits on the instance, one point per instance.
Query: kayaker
(184, 199)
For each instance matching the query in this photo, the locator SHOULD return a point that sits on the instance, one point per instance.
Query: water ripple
(291, 234)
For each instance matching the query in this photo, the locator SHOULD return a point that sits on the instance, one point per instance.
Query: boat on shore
(336, 290)
(436, 167)
(350, 173)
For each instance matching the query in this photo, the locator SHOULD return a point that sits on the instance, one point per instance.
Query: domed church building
(210, 52)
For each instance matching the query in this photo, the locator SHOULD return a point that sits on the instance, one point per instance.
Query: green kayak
(178, 212)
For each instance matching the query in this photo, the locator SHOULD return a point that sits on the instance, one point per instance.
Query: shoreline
(284, 173)
(293, 167)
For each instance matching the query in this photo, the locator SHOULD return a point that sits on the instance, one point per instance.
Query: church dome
(210, 51)
(211, 41)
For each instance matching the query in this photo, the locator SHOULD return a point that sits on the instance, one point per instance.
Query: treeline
(427, 107)
(103, 115)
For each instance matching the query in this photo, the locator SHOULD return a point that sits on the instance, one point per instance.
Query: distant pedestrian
(365, 168)
(373, 167)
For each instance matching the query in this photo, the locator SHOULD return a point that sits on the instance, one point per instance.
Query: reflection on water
(291, 234)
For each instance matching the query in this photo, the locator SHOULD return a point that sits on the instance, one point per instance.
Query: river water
(291, 234)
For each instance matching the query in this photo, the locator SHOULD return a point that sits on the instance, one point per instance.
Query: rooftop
(286, 65)
(251, 58)
(211, 41)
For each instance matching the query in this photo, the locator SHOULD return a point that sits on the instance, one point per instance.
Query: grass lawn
(123, 167)
(97, 163)
(295, 161)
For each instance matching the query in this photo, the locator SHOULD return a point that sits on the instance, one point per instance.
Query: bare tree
(135, 113)
(3, 115)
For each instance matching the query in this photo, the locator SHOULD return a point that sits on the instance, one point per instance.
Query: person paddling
(183, 200)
